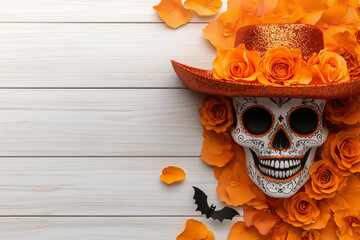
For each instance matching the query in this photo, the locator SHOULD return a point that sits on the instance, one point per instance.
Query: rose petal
(240, 231)
(221, 32)
(264, 221)
(204, 7)
(172, 174)
(195, 230)
(173, 13)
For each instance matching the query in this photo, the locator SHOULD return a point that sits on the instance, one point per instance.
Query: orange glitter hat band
(262, 37)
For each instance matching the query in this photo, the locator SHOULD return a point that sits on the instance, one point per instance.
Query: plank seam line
(99, 156)
(98, 216)
(59, 22)
(90, 88)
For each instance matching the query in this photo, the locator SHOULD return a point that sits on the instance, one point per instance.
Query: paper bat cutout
(203, 206)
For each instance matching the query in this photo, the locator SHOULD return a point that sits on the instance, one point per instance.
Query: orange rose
(348, 223)
(217, 148)
(343, 110)
(325, 181)
(344, 149)
(216, 114)
(328, 67)
(235, 187)
(352, 62)
(236, 64)
(302, 211)
(284, 66)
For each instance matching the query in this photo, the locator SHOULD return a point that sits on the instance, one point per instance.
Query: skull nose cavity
(280, 140)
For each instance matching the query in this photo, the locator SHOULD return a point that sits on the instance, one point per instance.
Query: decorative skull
(280, 137)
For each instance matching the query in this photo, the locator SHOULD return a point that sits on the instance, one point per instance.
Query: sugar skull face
(280, 137)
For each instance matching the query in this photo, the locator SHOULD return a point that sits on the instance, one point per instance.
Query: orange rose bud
(343, 110)
(172, 174)
(216, 114)
(328, 67)
(284, 66)
(217, 148)
(325, 181)
(236, 64)
(195, 230)
(302, 211)
(344, 149)
(173, 13)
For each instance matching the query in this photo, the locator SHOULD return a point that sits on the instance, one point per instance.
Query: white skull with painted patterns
(280, 137)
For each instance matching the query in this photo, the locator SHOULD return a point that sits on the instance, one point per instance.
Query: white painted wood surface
(100, 122)
(101, 228)
(112, 186)
(90, 113)
(83, 11)
(98, 55)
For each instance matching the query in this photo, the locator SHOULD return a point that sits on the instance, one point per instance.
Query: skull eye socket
(304, 121)
(257, 120)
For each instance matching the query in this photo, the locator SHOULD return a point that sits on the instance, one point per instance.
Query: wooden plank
(127, 186)
(83, 11)
(93, 122)
(98, 55)
(88, 228)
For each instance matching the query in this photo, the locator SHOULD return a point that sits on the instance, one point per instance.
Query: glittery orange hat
(262, 37)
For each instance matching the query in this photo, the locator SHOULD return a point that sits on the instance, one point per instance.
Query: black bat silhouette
(203, 206)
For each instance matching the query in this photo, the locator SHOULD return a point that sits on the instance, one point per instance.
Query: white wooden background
(90, 113)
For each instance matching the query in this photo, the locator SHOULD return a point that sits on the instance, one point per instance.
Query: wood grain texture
(127, 186)
(84, 11)
(98, 55)
(102, 228)
(93, 122)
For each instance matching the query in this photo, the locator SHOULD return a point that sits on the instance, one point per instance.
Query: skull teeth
(281, 164)
(281, 168)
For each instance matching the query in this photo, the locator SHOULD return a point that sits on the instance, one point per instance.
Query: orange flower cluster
(280, 66)
(339, 21)
(327, 207)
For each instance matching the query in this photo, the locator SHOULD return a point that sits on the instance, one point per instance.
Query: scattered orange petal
(221, 32)
(173, 13)
(240, 231)
(172, 174)
(286, 11)
(204, 7)
(195, 230)
(235, 187)
(217, 148)
(263, 220)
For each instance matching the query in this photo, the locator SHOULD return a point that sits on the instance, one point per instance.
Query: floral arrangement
(328, 206)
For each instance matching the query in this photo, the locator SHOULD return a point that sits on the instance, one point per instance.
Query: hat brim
(202, 81)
